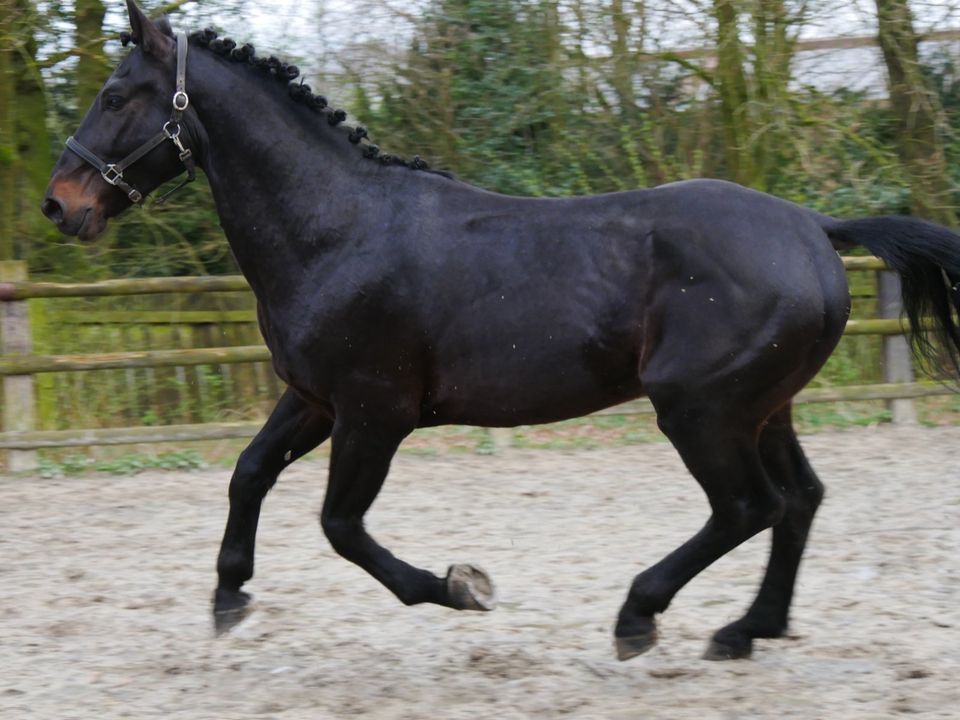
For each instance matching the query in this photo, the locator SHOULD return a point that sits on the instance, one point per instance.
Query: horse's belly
(523, 392)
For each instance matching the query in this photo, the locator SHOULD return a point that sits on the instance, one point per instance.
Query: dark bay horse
(393, 297)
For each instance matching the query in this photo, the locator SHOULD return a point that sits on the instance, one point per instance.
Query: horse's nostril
(52, 208)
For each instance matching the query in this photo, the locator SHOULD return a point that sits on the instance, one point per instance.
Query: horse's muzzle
(72, 213)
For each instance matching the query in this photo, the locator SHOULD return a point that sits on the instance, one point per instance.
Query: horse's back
(587, 301)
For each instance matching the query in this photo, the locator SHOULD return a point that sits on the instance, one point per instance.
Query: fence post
(18, 399)
(897, 358)
(501, 438)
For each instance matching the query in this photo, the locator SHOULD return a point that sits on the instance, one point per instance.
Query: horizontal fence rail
(851, 264)
(17, 363)
(27, 290)
(39, 439)
(158, 317)
(35, 364)
(24, 290)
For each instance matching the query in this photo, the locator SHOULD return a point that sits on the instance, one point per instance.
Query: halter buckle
(180, 101)
(111, 174)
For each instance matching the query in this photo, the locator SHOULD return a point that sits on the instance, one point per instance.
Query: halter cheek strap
(112, 173)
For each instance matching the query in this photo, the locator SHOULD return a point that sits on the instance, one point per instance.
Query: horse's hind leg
(359, 461)
(292, 430)
(767, 617)
(722, 454)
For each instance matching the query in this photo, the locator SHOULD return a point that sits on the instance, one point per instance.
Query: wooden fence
(20, 365)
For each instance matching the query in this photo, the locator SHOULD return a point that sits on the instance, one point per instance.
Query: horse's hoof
(230, 608)
(739, 649)
(470, 588)
(630, 647)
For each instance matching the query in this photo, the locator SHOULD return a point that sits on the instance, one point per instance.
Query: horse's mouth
(75, 228)
(91, 225)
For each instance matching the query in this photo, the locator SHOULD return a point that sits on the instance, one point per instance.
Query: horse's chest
(299, 356)
(316, 353)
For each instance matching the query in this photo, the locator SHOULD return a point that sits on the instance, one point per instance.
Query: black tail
(927, 258)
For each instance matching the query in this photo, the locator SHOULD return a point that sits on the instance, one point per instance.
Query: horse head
(128, 143)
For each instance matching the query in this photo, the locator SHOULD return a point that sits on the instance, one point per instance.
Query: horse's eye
(113, 102)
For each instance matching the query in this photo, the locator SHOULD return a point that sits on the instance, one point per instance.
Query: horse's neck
(283, 191)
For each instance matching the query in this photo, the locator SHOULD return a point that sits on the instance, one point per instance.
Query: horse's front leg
(292, 430)
(359, 461)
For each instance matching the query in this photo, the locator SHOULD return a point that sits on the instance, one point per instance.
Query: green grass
(817, 417)
(591, 433)
(126, 464)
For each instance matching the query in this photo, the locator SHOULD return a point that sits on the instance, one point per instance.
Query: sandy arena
(107, 582)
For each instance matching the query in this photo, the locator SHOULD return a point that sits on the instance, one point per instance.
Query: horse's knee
(252, 477)
(343, 533)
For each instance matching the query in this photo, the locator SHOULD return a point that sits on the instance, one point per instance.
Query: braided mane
(299, 91)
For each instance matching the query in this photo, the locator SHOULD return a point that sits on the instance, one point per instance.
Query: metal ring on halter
(111, 174)
(172, 135)
(180, 101)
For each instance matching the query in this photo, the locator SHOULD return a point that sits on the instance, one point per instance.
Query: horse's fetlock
(234, 568)
(408, 597)
(647, 597)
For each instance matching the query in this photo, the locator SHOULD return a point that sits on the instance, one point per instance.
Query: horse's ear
(153, 38)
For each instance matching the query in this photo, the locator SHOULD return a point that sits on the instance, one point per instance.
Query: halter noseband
(113, 172)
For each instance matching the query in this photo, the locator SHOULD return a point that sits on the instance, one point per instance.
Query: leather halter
(113, 172)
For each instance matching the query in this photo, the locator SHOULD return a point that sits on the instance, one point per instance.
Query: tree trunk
(32, 161)
(8, 144)
(731, 83)
(622, 80)
(914, 107)
(772, 57)
(88, 15)
(24, 144)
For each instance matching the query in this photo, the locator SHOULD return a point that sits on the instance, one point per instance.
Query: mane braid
(300, 92)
